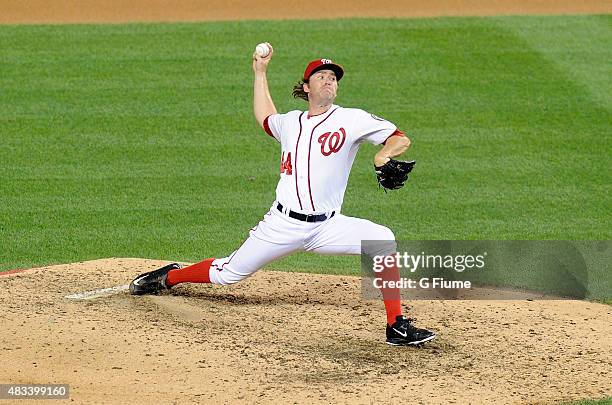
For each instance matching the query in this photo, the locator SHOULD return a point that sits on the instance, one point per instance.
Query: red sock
(391, 296)
(196, 273)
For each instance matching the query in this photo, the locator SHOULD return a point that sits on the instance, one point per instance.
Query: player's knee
(386, 234)
(387, 245)
(381, 243)
(381, 233)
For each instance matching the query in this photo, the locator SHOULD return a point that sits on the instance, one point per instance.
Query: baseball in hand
(262, 50)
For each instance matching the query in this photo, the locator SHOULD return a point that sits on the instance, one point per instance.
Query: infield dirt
(290, 337)
(287, 337)
(117, 11)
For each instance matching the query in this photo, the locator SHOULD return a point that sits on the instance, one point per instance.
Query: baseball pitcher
(317, 149)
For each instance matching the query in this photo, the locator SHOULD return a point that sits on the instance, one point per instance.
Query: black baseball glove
(393, 174)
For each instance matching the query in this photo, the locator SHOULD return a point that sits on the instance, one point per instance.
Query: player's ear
(306, 88)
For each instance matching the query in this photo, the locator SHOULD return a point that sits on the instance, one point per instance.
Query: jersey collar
(333, 107)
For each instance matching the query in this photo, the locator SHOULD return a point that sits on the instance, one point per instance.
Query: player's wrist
(260, 71)
(380, 160)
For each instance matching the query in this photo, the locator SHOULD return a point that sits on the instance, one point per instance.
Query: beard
(327, 94)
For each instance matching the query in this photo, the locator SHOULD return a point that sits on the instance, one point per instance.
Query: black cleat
(153, 281)
(403, 333)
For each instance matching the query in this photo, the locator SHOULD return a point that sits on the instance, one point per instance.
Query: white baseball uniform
(317, 154)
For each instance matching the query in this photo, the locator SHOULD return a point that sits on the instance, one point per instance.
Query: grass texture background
(138, 140)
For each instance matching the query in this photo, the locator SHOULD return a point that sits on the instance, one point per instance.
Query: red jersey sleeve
(396, 133)
(266, 127)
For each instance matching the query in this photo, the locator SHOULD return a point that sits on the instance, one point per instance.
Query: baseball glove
(393, 174)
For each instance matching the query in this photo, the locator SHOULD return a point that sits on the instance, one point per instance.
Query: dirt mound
(289, 337)
(116, 11)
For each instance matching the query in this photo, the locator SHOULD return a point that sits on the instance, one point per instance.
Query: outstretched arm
(263, 106)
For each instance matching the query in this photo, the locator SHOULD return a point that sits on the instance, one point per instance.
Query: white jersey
(318, 153)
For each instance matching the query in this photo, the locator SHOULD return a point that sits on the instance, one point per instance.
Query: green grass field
(139, 141)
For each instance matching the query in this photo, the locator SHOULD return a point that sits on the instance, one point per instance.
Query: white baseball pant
(278, 235)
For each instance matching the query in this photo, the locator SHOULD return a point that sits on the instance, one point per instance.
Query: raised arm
(263, 106)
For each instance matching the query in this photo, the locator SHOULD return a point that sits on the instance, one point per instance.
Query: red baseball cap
(320, 64)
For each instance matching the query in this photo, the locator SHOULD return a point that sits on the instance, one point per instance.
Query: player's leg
(274, 237)
(250, 257)
(271, 239)
(343, 235)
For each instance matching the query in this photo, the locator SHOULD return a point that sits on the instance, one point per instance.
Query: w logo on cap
(326, 61)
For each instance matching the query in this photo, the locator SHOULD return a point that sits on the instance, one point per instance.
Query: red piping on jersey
(310, 147)
(397, 132)
(266, 128)
(297, 192)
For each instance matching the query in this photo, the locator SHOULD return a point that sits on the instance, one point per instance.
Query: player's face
(322, 86)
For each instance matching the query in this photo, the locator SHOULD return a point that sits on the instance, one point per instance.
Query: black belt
(304, 217)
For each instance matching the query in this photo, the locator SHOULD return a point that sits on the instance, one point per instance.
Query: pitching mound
(289, 337)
